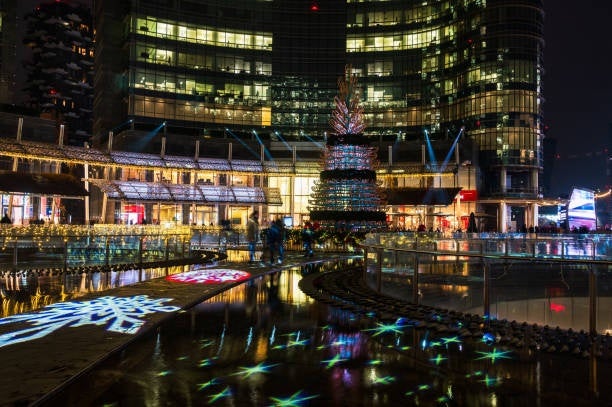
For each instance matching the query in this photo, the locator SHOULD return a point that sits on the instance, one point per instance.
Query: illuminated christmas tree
(347, 193)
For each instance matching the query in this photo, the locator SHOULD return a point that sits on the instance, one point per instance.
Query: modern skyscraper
(209, 67)
(60, 73)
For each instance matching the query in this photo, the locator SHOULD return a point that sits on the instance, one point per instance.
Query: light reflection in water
(263, 344)
(20, 294)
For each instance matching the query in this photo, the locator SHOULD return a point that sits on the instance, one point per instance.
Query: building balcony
(520, 192)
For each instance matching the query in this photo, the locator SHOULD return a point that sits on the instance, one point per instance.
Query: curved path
(347, 290)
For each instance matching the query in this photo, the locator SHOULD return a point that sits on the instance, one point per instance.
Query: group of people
(274, 239)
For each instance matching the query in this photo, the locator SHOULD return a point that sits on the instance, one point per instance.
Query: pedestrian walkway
(43, 350)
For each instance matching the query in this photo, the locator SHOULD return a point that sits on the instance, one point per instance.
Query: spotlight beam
(245, 145)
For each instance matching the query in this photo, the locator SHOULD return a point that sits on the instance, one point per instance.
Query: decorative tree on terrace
(347, 194)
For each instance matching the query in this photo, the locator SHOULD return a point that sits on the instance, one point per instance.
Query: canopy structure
(421, 196)
(63, 185)
(187, 193)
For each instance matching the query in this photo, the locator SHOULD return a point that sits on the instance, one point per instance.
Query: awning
(421, 196)
(138, 191)
(64, 185)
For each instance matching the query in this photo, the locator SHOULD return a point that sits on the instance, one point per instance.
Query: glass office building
(264, 72)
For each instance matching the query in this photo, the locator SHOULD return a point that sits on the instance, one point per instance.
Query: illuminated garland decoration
(348, 174)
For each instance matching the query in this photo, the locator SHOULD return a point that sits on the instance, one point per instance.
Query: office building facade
(264, 73)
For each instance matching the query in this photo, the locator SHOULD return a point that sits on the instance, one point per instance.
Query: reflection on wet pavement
(266, 343)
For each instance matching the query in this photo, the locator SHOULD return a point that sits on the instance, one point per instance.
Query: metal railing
(67, 246)
(564, 277)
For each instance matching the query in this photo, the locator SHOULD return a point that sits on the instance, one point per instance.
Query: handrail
(562, 250)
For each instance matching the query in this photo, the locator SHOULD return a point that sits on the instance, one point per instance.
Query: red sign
(557, 307)
(468, 195)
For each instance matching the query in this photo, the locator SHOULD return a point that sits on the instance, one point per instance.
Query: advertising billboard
(581, 210)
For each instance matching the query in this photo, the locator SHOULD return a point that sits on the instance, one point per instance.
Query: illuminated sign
(581, 210)
(468, 195)
(557, 307)
(209, 276)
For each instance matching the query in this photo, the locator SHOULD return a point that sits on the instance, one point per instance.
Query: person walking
(281, 240)
(272, 240)
(307, 239)
(252, 234)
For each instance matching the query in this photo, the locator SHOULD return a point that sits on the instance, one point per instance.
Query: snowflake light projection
(210, 276)
(120, 314)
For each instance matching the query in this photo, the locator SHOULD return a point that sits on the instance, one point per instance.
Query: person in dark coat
(6, 220)
(472, 224)
(273, 237)
(308, 239)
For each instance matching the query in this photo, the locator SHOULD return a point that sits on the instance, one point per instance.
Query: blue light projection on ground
(259, 368)
(227, 392)
(384, 380)
(120, 314)
(202, 386)
(295, 400)
(438, 359)
(206, 362)
(329, 363)
(397, 327)
(347, 357)
(348, 351)
(451, 339)
(494, 355)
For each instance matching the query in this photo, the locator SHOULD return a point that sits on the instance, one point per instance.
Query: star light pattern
(438, 359)
(297, 399)
(451, 339)
(396, 327)
(259, 368)
(119, 314)
(494, 355)
(491, 381)
(384, 380)
(220, 372)
(226, 392)
(210, 276)
(228, 385)
(333, 361)
(205, 385)
(206, 362)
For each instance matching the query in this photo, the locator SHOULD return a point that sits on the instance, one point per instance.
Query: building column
(534, 214)
(503, 179)
(502, 218)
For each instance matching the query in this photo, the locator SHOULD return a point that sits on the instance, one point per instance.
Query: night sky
(578, 90)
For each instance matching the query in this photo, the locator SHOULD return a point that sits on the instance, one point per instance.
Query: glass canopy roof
(202, 194)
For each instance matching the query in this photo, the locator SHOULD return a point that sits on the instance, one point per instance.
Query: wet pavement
(276, 338)
(42, 350)
(268, 343)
